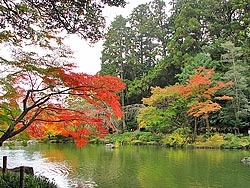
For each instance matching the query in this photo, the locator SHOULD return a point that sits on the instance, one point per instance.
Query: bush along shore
(22, 177)
(12, 180)
(179, 138)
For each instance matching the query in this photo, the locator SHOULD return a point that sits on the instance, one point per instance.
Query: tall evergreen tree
(143, 39)
(160, 21)
(114, 51)
(143, 46)
(236, 114)
(187, 30)
(225, 20)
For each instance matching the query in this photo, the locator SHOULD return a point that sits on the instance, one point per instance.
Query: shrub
(215, 140)
(124, 138)
(135, 138)
(245, 142)
(236, 141)
(175, 139)
(145, 136)
(12, 180)
(179, 137)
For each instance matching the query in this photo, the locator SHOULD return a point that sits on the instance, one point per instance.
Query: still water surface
(133, 166)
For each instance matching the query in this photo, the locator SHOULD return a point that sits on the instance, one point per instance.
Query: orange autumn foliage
(199, 94)
(201, 89)
(47, 101)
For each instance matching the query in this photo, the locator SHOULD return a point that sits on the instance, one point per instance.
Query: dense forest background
(161, 44)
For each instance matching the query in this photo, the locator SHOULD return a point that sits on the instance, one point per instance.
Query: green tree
(142, 46)
(225, 21)
(115, 51)
(164, 71)
(187, 31)
(137, 43)
(236, 112)
(199, 60)
(115, 54)
(203, 26)
(166, 110)
(36, 20)
(160, 25)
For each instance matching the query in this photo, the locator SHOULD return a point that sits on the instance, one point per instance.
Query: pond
(133, 166)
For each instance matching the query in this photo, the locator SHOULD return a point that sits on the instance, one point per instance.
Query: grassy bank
(179, 138)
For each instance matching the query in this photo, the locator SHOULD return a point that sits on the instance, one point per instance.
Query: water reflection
(55, 171)
(137, 167)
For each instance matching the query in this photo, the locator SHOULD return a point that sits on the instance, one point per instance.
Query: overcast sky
(88, 57)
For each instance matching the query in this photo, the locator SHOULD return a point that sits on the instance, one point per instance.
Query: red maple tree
(40, 99)
(201, 91)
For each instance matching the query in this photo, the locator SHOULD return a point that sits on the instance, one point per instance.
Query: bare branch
(2, 131)
(39, 110)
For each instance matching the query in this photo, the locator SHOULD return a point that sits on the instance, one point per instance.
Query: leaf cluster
(171, 105)
(42, 19)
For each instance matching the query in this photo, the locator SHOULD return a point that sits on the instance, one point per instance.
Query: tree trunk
(207, 124)
(122, 94)
(195, 128)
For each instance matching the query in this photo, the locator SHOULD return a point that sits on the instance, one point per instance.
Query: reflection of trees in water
(136, 166)
(61, 153)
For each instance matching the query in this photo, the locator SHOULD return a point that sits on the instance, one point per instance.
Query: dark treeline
(161, 44)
